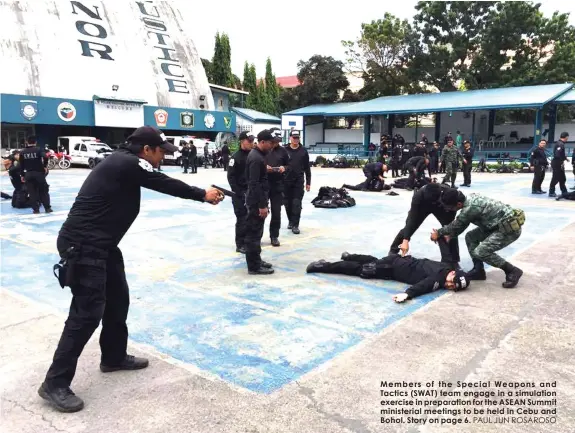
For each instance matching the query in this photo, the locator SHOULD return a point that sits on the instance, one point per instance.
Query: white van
(178, 141)
(83, 149)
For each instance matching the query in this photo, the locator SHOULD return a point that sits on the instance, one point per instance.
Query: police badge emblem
(28, 109)
(227, 122)
(186, 119)
(161, 117)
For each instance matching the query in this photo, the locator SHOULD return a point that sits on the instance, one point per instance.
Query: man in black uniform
(186, 157)
(467, 155)
(257, 203)
(538, 164)
(33, 169)
(434, 158)
(239, 185)
(558, 166)
(225, 156)
(420, 149)
(396, 153)
(276, 162)
(193, 157)
(93, 266)
(416, 167)
(406, 153)
(424, 276)
(427, 201)
(294, 181)
(373, 172)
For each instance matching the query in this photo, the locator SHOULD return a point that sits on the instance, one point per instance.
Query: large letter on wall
(87, 50)
(95, 15)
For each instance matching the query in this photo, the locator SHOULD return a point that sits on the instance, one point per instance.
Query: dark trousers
(185, 164)
(395, 167)
(403, 168)
(433, 165)
(241, 213)
(293, 195)
(99, 293)
(253, 239)
(5, 196)
(353, 266)
(225, 161)
(467, 173)
(558, 177)
(38, 189)
(449, 250)
(413, 179)
(194, 164)
(538, 177)
(276, 201)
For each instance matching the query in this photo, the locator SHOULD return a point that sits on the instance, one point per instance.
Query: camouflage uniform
(449, 158)
(498, 225)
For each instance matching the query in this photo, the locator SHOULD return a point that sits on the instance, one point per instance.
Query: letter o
(81, 26)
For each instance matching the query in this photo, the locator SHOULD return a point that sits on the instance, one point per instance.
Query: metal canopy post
(473, 131)
(416, 127)
(437, 126)
(366, 132)
(538, 126)
(552, 122)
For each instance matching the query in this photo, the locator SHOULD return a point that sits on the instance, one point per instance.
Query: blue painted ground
(191, 297)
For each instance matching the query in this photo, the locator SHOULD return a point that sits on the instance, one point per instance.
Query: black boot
(275, 242)
(512, 275)
(62, 399)
(344, 255)
(261, 271)
(478, 271)
(129, 363)
(316, 266)
(241, 250)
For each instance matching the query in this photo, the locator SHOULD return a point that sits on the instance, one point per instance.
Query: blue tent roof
(567, 98)
(255, 116)
(487, 99)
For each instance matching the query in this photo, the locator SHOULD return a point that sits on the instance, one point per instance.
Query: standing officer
(538, 164)
(498, 225)
(276, 162)
(433, 158)
(225, 156)
(396, 159)
(294, 181)
(33, 170)
(427, 201)
(449, 158)
(416, 167)
(558, 166)
(239, 185)
(406, 153)
(257, 204)
(193, 157)
(420, 149)
(467, 158)
(186, 157)
(92, 264)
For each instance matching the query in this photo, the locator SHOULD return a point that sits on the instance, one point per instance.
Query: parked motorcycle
(58, 159)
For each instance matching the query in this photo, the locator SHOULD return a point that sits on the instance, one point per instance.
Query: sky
(296, 29)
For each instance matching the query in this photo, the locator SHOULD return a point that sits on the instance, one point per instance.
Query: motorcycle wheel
(51, 164)
(64, 164)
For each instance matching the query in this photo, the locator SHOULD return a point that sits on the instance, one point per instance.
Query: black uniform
(406, 153)
(194, 158)
(186, 158)
(557, 162)
(20, 197)
(424, 276)
(419, 150)
(225, 156)
(239, 185)
(433, 160)
(32, 164)
(105, 208)
(256, 198)
(467, 165)
(396, 160)
(416, 168)
(277, 157)
(538, 160)
(372, 171)
(425, 202)
(294, 182)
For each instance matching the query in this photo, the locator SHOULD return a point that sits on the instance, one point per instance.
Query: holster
(514, 223)
(64, 269)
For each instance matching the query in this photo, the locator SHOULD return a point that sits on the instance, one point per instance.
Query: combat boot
(345, 255)
(512, 275)
(316, 266)
(62, 399)
(477, 273)
(275, 242)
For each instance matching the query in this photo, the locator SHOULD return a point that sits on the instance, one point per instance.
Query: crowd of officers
(261, 173)
(538, 164)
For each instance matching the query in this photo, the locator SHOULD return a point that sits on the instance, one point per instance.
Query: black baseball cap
(245, 136)
(148, 135)
(461, 280)
(277, 133)
(294, 134)
(265, 135)
(564, 134)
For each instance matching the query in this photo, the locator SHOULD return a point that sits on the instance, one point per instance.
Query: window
(77, 146)
(84, 148)
(221, 104)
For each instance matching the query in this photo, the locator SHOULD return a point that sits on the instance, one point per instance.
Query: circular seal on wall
(66, 112)
(209, 121)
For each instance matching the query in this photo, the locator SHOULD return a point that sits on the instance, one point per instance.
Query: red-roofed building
(288, 82)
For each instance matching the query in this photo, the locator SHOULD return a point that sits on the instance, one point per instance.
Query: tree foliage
(272, 88)
(221, 68)
(322, 78)
(208, 68)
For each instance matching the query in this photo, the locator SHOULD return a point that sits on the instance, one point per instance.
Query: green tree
(322, 79)
(208, 68)
(272, 88)
(250, 85)
(382, 53)
(222, 62)
(288, 99)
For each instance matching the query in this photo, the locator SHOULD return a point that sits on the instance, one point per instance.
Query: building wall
(313, 135)
(254, 128)
(77, 49)
(221, 100)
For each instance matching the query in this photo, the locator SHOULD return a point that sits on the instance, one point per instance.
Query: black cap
(148, 135)
(277, 133)
(565, 134)
(245, 136)
(294, 133)
(467, 142)
(461, 280)
(265, 135)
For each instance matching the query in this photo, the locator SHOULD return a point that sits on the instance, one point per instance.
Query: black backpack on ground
(331, 198)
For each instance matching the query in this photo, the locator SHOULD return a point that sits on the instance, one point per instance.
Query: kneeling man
(424, 276)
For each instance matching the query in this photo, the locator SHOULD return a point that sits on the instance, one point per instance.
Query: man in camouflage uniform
(498, 225)
(449, 158)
